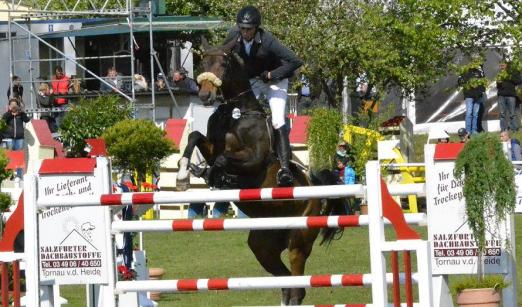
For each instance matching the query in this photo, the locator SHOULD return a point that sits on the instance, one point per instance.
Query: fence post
(31, 241)
(376, 234)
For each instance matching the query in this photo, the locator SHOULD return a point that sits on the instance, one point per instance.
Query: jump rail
(253, 283)
(254, 223)
(244, 195)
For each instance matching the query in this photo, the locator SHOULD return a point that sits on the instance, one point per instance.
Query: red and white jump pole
(253, 283)
(254, 223)
(243, 195)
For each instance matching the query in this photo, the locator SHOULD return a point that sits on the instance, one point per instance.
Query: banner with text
(454, 250)
(73, 241)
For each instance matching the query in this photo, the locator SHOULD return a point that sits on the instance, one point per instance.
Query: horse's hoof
(182, 185)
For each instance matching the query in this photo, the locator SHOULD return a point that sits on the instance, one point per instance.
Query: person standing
(60, 86)
(507, 81)
(513, 151)
(15, 118)
(18, 89)
(269, 65)
(474, 96)
(45, 100)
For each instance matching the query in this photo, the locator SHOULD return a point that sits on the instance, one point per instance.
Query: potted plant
(489, 190)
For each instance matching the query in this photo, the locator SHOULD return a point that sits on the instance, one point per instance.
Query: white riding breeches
(276, 93)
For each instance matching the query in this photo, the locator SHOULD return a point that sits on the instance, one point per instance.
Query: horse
(239, 151)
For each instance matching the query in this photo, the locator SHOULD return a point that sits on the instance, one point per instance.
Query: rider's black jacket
(266, 54)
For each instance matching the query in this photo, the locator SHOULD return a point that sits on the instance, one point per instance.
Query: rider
(269, 64)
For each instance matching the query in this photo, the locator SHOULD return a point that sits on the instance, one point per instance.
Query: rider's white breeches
(276, 93)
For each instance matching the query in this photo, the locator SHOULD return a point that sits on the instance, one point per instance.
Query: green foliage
(472, 282)
(3, 126)
(323, 137)
(89, 119)
(137, 145)
(5, 202)
(4, 161)
(489, 184)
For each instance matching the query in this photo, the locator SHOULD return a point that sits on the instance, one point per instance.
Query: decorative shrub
(323, 137)
(89, 119)
(489, 184)
(137, 146)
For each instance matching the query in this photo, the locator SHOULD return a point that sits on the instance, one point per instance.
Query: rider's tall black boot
(284, 175)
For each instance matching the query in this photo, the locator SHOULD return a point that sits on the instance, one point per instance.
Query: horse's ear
(228, 47)
(204, 43)
(239, 59)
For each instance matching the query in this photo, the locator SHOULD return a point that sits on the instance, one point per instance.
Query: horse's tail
(334, 206)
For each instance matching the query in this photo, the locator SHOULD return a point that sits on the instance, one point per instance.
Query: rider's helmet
(462, 132)
(248, 17)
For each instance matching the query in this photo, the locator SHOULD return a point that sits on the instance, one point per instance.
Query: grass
(225, 254)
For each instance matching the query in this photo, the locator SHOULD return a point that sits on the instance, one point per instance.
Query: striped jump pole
(251, 283)
(254, 223)
(241, 195)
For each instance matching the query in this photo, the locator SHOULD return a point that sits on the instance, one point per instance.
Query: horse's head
(215, 64)
(223, 72)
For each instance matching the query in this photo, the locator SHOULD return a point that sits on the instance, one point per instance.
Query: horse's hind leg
(195, 139)
(300, 245)
(267, 246)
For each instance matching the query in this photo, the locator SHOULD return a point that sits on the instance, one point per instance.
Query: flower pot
(155, 274)
(486, 297)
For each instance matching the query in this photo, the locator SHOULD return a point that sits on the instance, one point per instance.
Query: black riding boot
(284, 176)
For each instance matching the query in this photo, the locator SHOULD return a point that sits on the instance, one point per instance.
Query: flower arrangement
(125, 273)
(149, 187)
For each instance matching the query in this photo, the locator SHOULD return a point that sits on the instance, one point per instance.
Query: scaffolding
(19, 15)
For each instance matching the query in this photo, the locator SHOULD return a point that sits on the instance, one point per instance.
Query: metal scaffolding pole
(75, 62)
(152, 79)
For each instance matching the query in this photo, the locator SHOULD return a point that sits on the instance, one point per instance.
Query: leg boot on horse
(284, 176)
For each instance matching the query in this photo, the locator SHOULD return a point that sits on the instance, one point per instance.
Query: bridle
(215, 80)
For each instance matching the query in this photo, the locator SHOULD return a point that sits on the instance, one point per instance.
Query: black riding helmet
(462, 132)
(248, 17)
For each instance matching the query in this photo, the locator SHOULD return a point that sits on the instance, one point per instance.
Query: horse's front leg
(195, 139)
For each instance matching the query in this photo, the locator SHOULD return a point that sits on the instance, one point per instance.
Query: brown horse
(240, 152)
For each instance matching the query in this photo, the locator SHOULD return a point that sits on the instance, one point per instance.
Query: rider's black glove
(264, 76)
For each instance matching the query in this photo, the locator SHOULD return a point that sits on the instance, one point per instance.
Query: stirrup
(285, 178)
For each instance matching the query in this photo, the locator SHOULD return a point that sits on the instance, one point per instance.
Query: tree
(137, 146)
(89, 119)
(400, 43)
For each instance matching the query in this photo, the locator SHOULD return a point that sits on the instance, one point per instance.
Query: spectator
(463, 135)
(45, 100)
(507, 81)
(339, 169)
(60, 86)
(15, 118)
(269, 65)
(181, 81)
(18, 89)
(113, 78)
(140, 83)
(474, 95)
(160, 82)
(513, 150)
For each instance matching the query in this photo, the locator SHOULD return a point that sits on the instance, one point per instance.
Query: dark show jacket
(266, 54)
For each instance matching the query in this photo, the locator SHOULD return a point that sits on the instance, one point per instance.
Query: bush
(323, 137)
(89, 119)
(472, 282)
(137, 145)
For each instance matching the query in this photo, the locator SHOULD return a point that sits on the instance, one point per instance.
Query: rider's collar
(257, 37)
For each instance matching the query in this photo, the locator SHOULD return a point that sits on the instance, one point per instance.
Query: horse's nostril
(204, 96)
